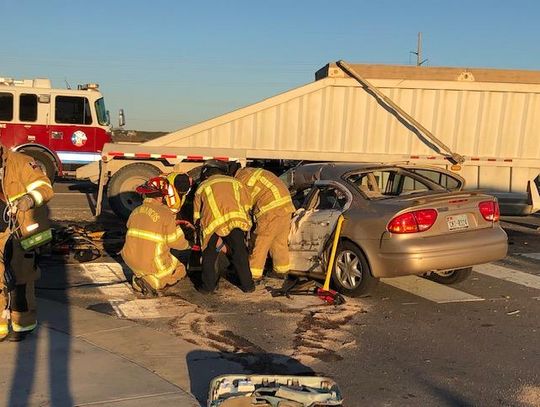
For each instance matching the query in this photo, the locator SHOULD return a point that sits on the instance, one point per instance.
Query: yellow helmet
(178, 187)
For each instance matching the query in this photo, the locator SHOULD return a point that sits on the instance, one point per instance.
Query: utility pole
(418, 52)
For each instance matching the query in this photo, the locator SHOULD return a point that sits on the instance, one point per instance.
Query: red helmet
(156, 187)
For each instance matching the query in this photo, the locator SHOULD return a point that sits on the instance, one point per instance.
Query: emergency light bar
(88, 86)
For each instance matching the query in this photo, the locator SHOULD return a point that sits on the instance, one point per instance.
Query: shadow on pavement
(58, 357)
(203, 366)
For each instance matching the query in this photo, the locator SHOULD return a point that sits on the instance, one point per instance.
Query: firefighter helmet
(213, 167)
(178, 187)
(156, 187)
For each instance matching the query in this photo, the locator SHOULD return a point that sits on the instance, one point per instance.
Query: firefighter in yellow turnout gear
(272, 207)
(25, 190)
(220, 210)
(153, 232)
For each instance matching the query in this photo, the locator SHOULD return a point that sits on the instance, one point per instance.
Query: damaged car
(398, 220)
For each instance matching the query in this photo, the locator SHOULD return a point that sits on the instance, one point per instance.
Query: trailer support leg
(101, 186)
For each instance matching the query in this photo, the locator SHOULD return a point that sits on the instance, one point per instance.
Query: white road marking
(535, 256)
(109, 273)
(430, 290)
(507, 274)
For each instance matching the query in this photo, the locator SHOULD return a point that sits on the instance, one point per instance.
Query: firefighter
(271, 206)
(25, 190)
(220, 206)
(153, 232)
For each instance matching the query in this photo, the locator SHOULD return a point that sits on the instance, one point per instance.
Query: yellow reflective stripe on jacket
(209, 183)
(254, 177)
(143, 234)
(156, 237)
(273, 205)
(38, 198)
(268, 184)
(196, 215)
(3, 330)
(15, 197)
(212, 203)
(236, 188)
(21, 328)
(173, 237)
(163, 270)
(37, 184)
(241, 215)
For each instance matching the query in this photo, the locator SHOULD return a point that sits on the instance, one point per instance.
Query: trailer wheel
(121, 189)
(44, 160)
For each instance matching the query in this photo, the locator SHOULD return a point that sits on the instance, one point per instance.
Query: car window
(299, 197)
(444, 180)
(386, 183)
(327, 197)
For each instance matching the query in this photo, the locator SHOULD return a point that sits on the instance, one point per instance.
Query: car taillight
(490, 210)
(413, 222)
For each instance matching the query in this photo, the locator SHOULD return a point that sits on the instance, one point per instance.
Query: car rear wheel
(450, 276)
(351, 275)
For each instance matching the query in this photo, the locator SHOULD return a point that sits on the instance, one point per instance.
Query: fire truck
(59, 128)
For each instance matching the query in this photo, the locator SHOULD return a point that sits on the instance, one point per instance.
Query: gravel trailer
(359, 112)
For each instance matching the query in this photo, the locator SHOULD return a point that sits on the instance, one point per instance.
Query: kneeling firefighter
(25, 189)
(153, 232)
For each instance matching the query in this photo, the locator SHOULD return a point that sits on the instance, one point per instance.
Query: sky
(170, 64)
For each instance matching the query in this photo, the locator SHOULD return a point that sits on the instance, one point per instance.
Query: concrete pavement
(79, 358)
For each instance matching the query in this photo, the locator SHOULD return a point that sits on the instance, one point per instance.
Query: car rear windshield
(381, 184)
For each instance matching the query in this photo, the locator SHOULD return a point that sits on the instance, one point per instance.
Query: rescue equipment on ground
(302, 286)
(77, 241)
(297, 286)
(273, 391)
(325, 293)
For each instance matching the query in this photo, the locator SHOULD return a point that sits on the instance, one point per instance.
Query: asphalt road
(474, 344)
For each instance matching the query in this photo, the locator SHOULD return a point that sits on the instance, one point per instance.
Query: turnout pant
(271, 235)
(21, 300)
(159, 281)
(238, 256)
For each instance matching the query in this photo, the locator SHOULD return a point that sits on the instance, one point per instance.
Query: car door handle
(324, 223)
(57, 135)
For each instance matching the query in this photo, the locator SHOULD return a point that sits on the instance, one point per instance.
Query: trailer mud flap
(534, 196)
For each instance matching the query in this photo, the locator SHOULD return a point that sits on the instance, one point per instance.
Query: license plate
(457, 222)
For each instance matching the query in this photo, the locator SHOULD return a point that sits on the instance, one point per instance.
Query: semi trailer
(481, 124)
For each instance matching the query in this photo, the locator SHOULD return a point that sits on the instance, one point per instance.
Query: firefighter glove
(26, 202)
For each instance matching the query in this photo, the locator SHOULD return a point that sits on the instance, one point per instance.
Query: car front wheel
(351, 275)
(450, 276)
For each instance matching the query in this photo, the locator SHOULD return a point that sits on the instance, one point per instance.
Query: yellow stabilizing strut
(326, 286)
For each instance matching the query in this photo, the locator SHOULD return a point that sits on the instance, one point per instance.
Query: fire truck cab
(60, 128)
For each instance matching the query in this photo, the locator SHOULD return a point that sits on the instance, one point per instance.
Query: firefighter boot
(23, 311)
(142, 287)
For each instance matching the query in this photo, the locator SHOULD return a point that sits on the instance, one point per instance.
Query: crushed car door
(313, 224)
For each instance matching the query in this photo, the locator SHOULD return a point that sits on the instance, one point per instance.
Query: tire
(451, 276)
(121, 189)
(45, 161)
(351, 274)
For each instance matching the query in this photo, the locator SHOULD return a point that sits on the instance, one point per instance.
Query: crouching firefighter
(153, 232)
(219, 210)
(271, 206)
(25, 189)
